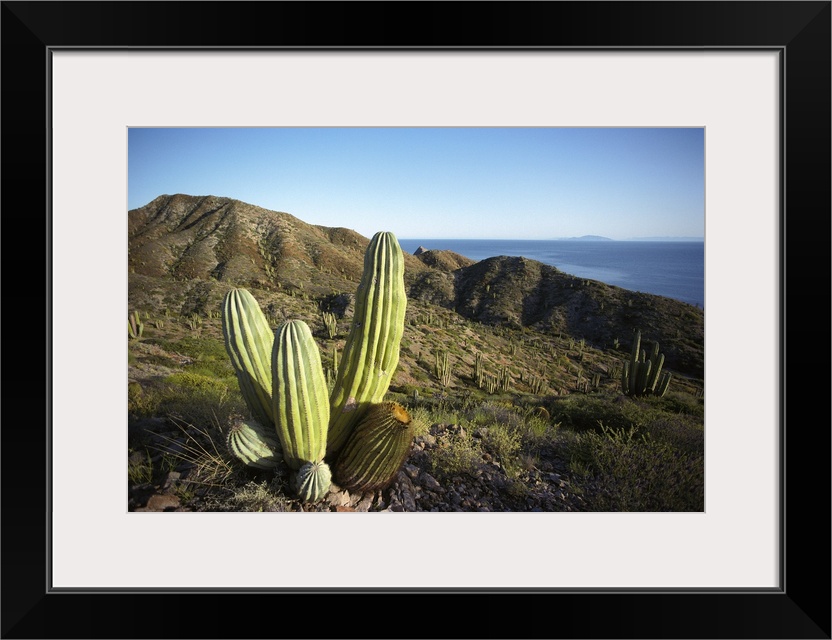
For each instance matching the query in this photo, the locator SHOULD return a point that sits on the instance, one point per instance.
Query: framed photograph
(754, 76)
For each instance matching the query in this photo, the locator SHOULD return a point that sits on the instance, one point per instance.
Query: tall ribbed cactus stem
(248, 341)
(299, 393)
(371, 352)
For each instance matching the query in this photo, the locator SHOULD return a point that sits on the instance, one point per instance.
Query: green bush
(580, 412)
(503, 442)
(683, 432)
(538, 431)
(681, 403)
(628, 472)
(208, 353)
(457, 455)
(422, 419)
(195, 398)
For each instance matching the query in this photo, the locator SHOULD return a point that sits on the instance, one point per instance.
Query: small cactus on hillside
(442, 369)
(642, 375)
(135, 326)
(478, 368)
(330, 323)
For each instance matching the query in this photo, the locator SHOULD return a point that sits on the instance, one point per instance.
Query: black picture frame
(800, 31)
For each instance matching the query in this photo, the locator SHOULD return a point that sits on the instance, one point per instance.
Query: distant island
(585, 238)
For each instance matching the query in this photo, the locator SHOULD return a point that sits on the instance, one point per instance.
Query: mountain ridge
(194, 248)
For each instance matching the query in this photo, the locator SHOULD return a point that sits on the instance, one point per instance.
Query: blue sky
(499, 183)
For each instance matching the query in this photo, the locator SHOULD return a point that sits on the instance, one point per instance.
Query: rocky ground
(544, 486)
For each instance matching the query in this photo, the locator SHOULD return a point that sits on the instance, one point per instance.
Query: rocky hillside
(186, 251)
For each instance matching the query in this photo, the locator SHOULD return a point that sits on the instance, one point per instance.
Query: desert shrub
(683, 403)
(198, 399)
(580, 412)
(160, 360)
(140, 403)
(199, 348)
(140, 471)
(683, 432)
(503, 442)
(455, 455)
(537, 431)
(217, 371)
(494, 413)
(197, 382)
(258, 497)
(630, 472)
(421, 419)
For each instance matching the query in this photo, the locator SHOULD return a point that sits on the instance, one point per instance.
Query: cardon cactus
(253, 444)
(299, 395)
(135, 326)
(376, 449)
(643, 376)
(314, 480)
(371, 352)
(248, 341)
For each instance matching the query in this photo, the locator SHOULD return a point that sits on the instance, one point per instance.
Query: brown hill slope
(191, 249)
(525, 293)
(211, 238)
(444, 260)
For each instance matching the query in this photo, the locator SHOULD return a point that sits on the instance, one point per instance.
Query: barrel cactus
(248, 340)
(253, 444)
(314, 480)
(371, 352)
(376, 448)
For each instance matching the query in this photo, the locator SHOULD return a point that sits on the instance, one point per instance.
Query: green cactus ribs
(376, 449)
(299, 395)
(642, 375)
(253, 444)
(248, 341)
(135, 326)
(371, 351)
(314, 480)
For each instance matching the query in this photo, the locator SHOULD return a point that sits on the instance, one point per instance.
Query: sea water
(673, 269)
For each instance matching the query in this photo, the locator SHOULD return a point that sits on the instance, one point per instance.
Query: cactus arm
(252, 444)
(248, 341)
(625, 378)
(655, 376)
(299, 392)
(644, 368)
(636, 347)
(663, 384)
(371, 352)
